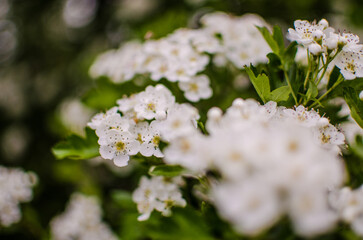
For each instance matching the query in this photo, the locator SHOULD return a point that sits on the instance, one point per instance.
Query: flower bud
(332, 42)
(315, 49)
(238, 102)
(322, 122)
(160, 115)
(318, 35)
(361, 95)
(324, 23)
(214, 113)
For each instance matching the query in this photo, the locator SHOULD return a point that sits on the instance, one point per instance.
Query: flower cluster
(183, 55)
(273, 160)
(349, 205)
(340, 49)
(15, 188)
(157, 193)
(255, 163)
(81, 220)
(139, 123)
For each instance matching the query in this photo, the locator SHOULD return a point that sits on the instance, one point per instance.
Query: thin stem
(325, 67)
(340, 80)
(289, 83)
(308, 73)
(317, 66)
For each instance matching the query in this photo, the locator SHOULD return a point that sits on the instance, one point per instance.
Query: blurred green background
(46, 49)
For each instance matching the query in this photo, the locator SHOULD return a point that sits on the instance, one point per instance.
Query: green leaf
(280, 94)
(333, 77)
(279, 39)
(312, 90)
(166, 170)
(357, 147)
(76, 147)
(290, 52)
(269, 39)
(261, 84)
(355, 104)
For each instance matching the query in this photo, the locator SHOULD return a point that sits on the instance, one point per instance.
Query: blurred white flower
(79, 13)
(82, 220)
(74, 115)
(15, 188)
(197, 88)
(157, 193)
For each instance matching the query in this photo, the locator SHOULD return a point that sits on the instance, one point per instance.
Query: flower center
(156, 140)
(151, 106)
(120, 146)
(193, 87)
(350, 67)
(139, 138)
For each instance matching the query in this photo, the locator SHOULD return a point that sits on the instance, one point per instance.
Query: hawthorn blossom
(16, 187)
(81, 220)
(197, 88)
(118, 146)
(157, 193)
(350, 63)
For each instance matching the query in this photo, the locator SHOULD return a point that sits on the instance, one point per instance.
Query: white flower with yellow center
(118, 146)
(158, 194)
(350, 63)
(154, 102)
(197, 88)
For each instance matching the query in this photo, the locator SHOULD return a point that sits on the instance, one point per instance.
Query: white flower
(311, 213)
(349, 204)
(120, 65)
(189, 152)
(112, 121)
(197, 88)
(154, 102)
(180, 121)
(302, 116)
(350, 63)
(305, 33)
(81, 220)
(148, 137)
(157, 194)
(98, 119)
(251, 206)
(15, 188)
(118, 146)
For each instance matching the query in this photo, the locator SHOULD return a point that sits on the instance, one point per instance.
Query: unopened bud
(324, 23)
(315, 49)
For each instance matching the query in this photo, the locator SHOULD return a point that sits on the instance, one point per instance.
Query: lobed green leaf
(261, 83)
(76, 147)
(166, 170)
(280, 94)
(355, 104)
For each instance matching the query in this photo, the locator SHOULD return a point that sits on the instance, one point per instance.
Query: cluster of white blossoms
(321, 40)
(81, 220)
(158, 193)
(139, 123)
(349, 205)
(15, 188)
(272, 160)
(183, 55)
